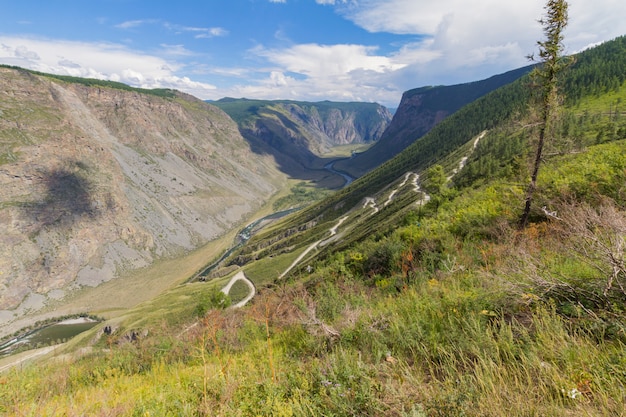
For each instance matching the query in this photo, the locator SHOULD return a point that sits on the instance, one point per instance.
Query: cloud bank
(104, 61)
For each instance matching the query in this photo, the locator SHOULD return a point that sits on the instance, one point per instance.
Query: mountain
(299, 134)
(98, 180)
(483, 141)
(419, 111)
(411, 292)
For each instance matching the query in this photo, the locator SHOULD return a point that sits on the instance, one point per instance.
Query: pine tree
(552, 64)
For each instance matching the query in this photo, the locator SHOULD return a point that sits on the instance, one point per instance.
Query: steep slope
(391, 303)
(419, 111)
(98, 181)
(298, 134)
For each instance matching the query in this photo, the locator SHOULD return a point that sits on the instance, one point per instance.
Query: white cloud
(427, 17)
(455, 41)
(459, 26)
(67, 63)
(358, 85)
(317, 72)
(100, 60)
(329, 60)
(130, 24)
(458, 35)
(23, 52)
(212, 33)
(201, 32)
(278, 78)
(176, 50)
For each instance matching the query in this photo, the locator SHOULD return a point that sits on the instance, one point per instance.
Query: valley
(112, 184)
(115, 196)
(401, 286)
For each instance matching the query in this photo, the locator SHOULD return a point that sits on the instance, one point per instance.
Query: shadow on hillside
(291, 155)
(69, 195)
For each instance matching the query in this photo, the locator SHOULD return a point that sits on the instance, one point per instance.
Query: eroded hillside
(96, 182)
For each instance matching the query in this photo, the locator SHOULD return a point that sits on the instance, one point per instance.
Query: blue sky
(342, 50)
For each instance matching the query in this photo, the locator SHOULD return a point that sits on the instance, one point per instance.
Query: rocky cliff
(97, 181)
(299, 134)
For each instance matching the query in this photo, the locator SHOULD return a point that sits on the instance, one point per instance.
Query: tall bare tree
(551, 64)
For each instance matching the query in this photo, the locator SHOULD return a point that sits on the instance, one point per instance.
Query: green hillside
(412, 292)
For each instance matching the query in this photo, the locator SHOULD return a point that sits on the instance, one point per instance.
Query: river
(47, 335)
(246, 232)
(242, 237)
(331, 168)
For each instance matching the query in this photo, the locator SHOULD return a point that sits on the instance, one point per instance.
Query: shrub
(214, 299)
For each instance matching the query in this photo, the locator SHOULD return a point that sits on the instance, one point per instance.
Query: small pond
(47, 335)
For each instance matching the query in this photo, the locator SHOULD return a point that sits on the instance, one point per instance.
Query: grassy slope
(446, 310)
(430, 320)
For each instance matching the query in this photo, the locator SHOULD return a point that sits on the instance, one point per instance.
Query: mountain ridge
(300, 134)
(99, 181)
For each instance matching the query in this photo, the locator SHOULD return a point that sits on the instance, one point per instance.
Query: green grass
(345, 151)
(301, 194)
(444, 310)
(443, 345)
(459, 334)
(267, 270)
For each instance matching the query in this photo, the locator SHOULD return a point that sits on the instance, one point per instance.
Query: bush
(384, 258)
(215, 299)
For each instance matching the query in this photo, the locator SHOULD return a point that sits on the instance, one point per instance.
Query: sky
(311, 50)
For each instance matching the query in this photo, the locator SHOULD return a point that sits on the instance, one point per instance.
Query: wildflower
(573, 393)
(326, 383)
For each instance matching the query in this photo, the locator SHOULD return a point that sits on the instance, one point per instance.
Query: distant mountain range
(300, 134)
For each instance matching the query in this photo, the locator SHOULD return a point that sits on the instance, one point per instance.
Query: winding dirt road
(333, 232)
(368, 202)
(240, 276)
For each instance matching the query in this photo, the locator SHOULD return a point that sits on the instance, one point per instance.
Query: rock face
(97, 181)
(339, 123)
(298, 134)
